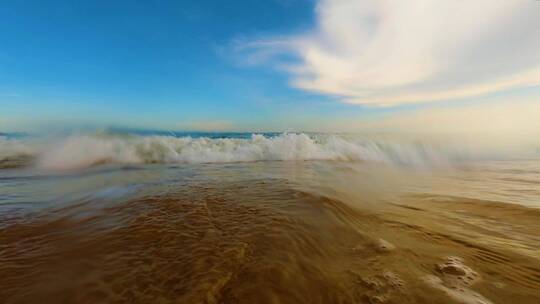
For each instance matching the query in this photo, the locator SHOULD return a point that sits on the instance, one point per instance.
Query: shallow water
(270, 232)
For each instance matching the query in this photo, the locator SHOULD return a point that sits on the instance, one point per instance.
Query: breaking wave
(79, 151)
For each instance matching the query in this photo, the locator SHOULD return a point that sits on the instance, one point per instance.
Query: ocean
(168, 217)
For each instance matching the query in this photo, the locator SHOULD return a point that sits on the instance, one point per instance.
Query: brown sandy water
(271, 232)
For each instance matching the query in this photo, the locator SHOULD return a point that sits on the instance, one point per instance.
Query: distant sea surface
(165, 217)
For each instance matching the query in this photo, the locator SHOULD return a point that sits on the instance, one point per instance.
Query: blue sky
(153, 63)
(284, 65)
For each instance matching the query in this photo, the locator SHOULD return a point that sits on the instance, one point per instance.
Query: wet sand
(225, 238)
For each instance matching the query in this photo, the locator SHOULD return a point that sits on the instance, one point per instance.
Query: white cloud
(390, 52)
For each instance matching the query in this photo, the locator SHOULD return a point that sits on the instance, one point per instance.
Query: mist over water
(85, 150)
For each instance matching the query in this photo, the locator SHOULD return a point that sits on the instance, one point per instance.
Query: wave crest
(87, 150)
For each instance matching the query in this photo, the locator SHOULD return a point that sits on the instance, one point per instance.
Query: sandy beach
(267, 232)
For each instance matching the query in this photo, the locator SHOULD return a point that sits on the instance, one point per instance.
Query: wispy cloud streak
(392, 52)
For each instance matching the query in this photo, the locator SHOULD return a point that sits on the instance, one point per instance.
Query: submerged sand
(268, 240)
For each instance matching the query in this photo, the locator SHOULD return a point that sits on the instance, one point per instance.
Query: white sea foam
(80, 151)
(14, 148)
